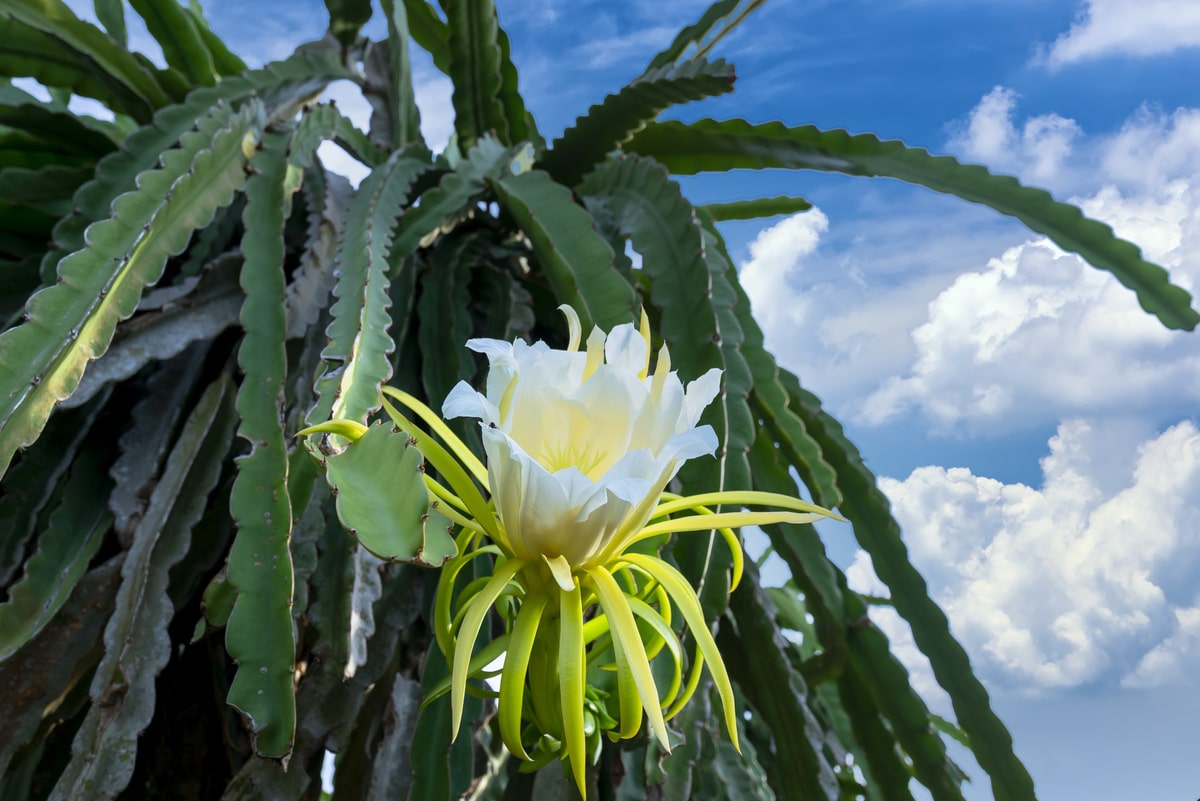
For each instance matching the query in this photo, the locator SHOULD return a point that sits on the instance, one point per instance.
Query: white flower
(580, 444)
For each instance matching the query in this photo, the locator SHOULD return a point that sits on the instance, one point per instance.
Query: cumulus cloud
(1036, 334)
(1037, 151)
(777, 256)
(1127, 27)
(1082, 580)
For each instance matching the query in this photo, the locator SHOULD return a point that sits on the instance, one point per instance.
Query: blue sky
(1034, 429)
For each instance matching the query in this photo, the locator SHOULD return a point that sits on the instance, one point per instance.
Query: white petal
(625, 349)
(466, 402)
(700, 393)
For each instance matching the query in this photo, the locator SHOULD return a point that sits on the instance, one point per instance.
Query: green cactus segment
(430, 32)
(706, 31)
(322, 122)
(72, 322)
(396, 120)
(346, 18)
(111, 15)
(609, 124)
(755, 209)
(456, 193)
(689, 148)
(383, 502)
(879, 535)
(778, 694)
(45, 40)
(258, 634)
(769, 403)
(282, 86)
(71, 539)
(178, 34)
(475, 69)
(356, 358)
(574, 258)
(136, 641)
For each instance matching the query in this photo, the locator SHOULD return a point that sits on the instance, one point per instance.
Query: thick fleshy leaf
(72, 322)
(178, 34)
(430, 32)
(346, 18)
(755, 649)
(574, 258)
(689, 148)
(475, 69)
(258, 634)
(706, 31)
(879, 535)
(383, 502)
(754, 209)
(137, 645)
(356, 358)
(609, 124)
(74, 534)
(45, 40)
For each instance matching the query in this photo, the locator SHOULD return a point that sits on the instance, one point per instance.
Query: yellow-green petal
(689, 606)
(464, 644)
(512, 680)
(624, 629)
(571, 682)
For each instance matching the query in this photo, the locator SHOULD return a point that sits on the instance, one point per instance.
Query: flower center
(583, 455)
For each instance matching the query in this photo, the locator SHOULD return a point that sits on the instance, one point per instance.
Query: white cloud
(1173, 660)
(1128, 27)
(1036, 334)
(639, 46)
(1079, 581)
(777, 255)
(1037, 151)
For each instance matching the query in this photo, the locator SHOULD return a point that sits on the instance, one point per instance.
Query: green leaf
(224, 60)
(47, 189)
(754, 651)
(72, 322)
(455, 195)
(383, 502)
(879, 535)
(137, 645)
(475, 69)
(71, 539)
(689, 148)
(444, 317)
(395, 118)
(258, 634)
(574, 258)
(282, 86)
(178, 34)
(700, 30)
(611, 123)
(446, 767)
(33, 481)
(45, 40)
(769, 404)
(430, 32)
(56, 129)
(754, 209)
(111, 14)
(356, 358)
(346, 18)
